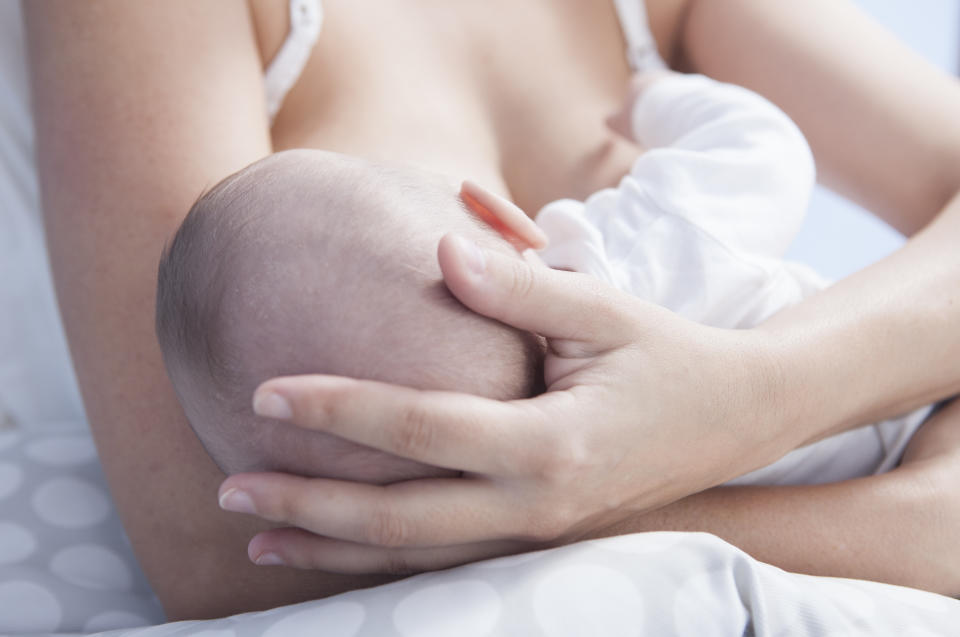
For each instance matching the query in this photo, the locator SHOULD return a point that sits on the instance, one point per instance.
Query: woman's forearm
(878, 343)
(891, 528)
(898, 528)
(880, 119)
(882, 124)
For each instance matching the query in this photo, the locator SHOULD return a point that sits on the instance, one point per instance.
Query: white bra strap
(642, 51)
(306, 18)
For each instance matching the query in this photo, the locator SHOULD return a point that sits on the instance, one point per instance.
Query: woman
(173, 96)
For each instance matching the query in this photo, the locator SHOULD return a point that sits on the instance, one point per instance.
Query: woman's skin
(418, 525)
(139, 106)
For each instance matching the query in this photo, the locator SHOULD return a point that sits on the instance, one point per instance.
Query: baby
(313, 262)
(309, 261)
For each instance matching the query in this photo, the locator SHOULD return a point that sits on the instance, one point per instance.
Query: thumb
(532, 297)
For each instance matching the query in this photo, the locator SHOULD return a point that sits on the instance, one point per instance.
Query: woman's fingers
(503, 216)
(455, 431)
(555, 304)
(417, 513)
(302, 549)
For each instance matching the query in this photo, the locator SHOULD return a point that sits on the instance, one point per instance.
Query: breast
(511, 94)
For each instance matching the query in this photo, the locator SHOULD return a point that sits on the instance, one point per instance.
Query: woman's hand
(642, 408)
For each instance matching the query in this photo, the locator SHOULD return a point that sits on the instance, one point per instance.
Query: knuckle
(544, 466)
(385, 528)
(413, 433)
(560, 461)
(521, 281)
(607, 310)
(288, 506)
(323, 407)
(599, 312)
(277, 508)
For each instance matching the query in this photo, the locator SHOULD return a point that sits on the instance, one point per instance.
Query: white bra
(306, 18)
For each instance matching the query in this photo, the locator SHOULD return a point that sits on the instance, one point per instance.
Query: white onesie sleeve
(697, 223)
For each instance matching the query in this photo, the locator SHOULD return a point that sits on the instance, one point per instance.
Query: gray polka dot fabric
(65, 563)
(66, 567)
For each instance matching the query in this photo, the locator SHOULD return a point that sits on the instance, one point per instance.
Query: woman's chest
(512, 94)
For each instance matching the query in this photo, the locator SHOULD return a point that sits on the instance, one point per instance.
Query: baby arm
(697, 223)
(721, 156)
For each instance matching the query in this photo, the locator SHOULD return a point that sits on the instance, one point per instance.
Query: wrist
(814, 394)
(773, 398)
(742, 399)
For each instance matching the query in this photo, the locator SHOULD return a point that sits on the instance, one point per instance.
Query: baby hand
(621, 122)
(504, 216)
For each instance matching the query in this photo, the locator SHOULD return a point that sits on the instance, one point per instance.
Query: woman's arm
(880, 119)
(139, 107)
(644, 408)
(899, 527)
(882, 123)
(883, 127)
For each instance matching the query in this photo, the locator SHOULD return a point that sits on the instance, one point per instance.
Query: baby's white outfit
(699, 226)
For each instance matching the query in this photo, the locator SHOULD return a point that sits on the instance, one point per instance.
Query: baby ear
(504, 217)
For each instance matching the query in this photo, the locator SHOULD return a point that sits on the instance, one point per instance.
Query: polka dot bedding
(65, 563)
(66, 567)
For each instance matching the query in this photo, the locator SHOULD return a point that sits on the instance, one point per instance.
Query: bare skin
(859, 526)
(139, 106)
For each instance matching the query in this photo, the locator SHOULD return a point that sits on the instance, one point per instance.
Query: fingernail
(237, 501)
(472, 255)
(271, 405)
(540, 238)
(269, 559)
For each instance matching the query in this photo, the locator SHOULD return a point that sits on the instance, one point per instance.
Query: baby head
(312, 262)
